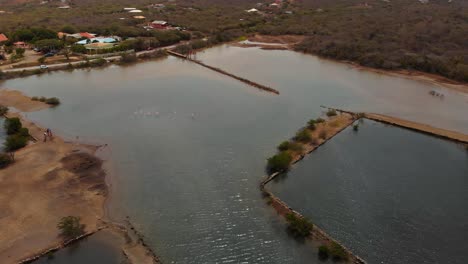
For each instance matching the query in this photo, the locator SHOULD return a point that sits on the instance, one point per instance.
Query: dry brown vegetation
(397, 34)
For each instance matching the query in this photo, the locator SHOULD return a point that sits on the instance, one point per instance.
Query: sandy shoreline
(286, 42)
(50, 180)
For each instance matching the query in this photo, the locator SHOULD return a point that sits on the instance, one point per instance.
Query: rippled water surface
(392, 195)
(188, 146)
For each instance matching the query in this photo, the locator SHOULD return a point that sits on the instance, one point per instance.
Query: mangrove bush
(303, 136)
(12, 125)
(70, 227)
(5, 160)
(279, 162)
(15, 142)
(299, 227)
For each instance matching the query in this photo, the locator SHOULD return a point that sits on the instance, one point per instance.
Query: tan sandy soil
(49, 180)
(420, 127)
(332, 126)
(12, 98)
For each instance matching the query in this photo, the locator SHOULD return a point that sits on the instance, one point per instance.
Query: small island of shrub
(50, 101)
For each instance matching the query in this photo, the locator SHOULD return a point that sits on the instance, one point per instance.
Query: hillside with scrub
(427, 36)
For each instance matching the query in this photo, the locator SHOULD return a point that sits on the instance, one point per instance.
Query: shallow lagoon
(390, 194)
(188, 146)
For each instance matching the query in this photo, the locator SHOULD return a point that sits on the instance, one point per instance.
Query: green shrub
(5, 160)
(42, 99)
(338, 252)
(356, 127)
(98, 62)
(331, 112)
(298, 227)
(129, 58)
(311, 124)
(3, 110)
(323, 252)
(279, 162)
(70, 227)
(12, 125)
(35, 98)
(303, 136)
(284, 146)
(319, 120)
(23, 132)
(15, 142)
(52, 101)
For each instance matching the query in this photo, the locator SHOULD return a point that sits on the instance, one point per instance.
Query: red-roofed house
(3, 38)
(86, 35)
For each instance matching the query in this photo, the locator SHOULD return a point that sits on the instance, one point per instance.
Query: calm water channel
(188, 146)
(393, 195)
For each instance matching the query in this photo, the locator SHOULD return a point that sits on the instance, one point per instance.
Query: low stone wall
(283, 209)
(251, 83)
(59, 246)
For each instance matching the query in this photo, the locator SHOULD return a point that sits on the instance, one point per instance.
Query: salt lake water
(188, 146)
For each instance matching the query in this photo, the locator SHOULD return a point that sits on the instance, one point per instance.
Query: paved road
(61, 65)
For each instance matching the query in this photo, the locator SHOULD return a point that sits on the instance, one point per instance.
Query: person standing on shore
(45, 136)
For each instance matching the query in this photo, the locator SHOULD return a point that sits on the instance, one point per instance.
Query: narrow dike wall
(283, 209)
(317, 233)
(246, 81)
(60, 246)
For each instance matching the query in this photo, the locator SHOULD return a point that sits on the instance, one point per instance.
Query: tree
(5, 160)
(70, 227)
(303, 136)
(69, 29)
(41, 60)
(78, 48)
(284, 146)
(3, 110)
(15, 142)
(311, 124)
(338, 252)
(49, 44)
(20, 52)
(299, 227)
(12, 125)
(323, 252)
(279, 162)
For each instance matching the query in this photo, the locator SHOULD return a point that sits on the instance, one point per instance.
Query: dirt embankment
(47, 181)
(322, 133)
(423, 128)
(18, 100)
